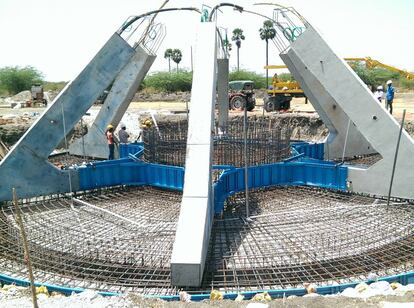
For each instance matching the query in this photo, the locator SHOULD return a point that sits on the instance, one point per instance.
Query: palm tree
(168, 55)
(267, 33)
(177, 56)
(238, 36)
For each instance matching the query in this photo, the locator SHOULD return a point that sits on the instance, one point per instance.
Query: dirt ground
(14, 122)
(402, 101)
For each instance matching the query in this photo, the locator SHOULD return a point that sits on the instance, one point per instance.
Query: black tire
(276, 103)
(269, 104)
(237, 103)
(251, 104)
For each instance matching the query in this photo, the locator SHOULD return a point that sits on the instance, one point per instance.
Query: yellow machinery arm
(371, 63)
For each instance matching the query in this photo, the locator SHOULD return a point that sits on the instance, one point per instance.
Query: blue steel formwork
(128, 170)
(403, 278)
(311, 150)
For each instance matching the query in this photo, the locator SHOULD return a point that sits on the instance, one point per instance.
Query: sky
(59, 37)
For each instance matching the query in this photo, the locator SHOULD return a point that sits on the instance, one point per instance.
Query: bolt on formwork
(294, 235)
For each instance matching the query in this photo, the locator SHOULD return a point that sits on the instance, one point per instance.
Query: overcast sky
(60, 37)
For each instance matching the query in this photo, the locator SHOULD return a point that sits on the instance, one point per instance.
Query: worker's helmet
(123, 125)
(389, 82)
(379, 88)
(109, 126)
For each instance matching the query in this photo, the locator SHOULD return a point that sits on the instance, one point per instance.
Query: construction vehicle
(371, 63)
(282, 92)
(241, 93)
(37, 96)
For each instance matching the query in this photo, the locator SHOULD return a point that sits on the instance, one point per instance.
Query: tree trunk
(169, 65)
(177, 67)
(267, 63)
(238, 68)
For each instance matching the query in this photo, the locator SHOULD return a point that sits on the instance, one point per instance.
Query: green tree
(267, 33)
(168, 55)
(177, 56)
(237, 37)
(14, 79)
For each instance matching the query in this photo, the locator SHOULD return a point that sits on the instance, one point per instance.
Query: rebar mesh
(300, 234)
(294, 235)
(268, 142)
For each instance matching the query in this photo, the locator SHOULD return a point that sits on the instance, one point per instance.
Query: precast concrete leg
(125, 86)
(335, 88)
(26, 167)
(330, 111)
(223, 96)
(197, 209)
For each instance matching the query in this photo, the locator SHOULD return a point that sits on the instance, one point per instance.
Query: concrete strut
(26, 167)
(125, 86)
(196, 214)
(339, 95)
(222, 93)
(329, 110)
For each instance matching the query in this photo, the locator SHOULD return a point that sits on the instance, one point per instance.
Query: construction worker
(123, 135)
(379, 93)
(389, 96)
(111, 141)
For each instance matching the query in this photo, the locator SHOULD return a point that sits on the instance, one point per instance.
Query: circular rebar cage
(295, 235)
(267, 142)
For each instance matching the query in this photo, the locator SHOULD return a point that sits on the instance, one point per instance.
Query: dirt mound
(143, 96)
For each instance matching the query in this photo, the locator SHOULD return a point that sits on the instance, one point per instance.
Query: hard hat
(109, 126)
(123, 125)
(389, 82)
(379, 88)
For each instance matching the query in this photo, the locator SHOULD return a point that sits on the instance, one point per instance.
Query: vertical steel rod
(346, 139)
(395, 157)
(246, 172)
(83, 139)
(25, 247)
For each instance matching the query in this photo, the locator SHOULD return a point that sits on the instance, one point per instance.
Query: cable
(134, 19)
(237, 7)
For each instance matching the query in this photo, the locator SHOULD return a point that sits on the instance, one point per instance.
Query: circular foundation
(121, 240)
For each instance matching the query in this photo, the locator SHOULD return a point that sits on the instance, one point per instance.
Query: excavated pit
(295, 235)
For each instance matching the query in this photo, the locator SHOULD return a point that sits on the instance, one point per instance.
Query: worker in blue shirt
(389, 96)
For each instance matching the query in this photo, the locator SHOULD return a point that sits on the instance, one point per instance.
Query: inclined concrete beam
(125, 86)
(26, 167)
(197, 209)
(330, 112)
(320, 65)
(222, 93)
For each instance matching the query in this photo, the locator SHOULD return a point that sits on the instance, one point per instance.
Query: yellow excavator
(282, 92)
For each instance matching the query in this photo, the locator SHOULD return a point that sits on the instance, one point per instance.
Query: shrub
(54, 86)
(169, 82)
(15, 79)
(407, 84)
(259, 80)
